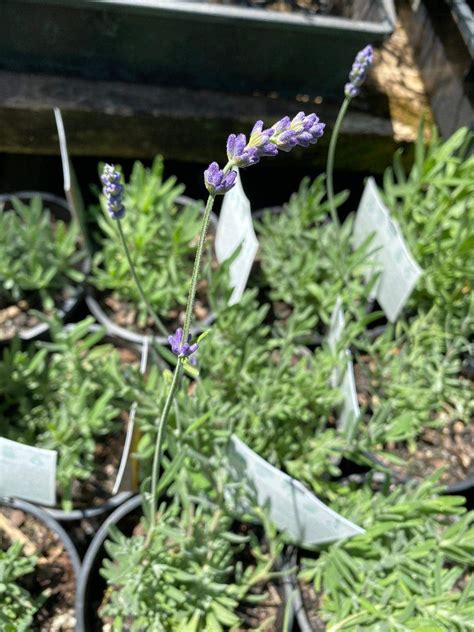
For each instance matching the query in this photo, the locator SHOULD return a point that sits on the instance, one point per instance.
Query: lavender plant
(434, 205)
(66, 395)
(287, 133)
(410, 570)
(309, 271)
(39, 256)
(17, 605)
(197, 579)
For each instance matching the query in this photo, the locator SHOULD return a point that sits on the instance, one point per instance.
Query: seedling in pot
(409, 570)
(71, 395)
(40, 263)
(419, 404)
(38, 570)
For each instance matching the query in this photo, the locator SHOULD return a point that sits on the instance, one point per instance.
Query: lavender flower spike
(113, 191)
(303, 130)
(180, 348)
(218, 182)
(360, 69)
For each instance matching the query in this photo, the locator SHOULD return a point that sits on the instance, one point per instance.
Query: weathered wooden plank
(117, 119)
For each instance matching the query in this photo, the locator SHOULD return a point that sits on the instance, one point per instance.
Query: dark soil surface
(125, 314)
(18, 317)
(54, 572)
(267, 615)
(312, 602)
(450, 447)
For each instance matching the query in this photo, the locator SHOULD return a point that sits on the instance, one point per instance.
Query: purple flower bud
(239, 153)
(182, 349)
(285, 134)
(303, 130)
(218, 182)
(359, 71)
(113, 191)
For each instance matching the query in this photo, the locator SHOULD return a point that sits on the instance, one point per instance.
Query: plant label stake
(293, 509)
(28, 472)
(350, 413)
(336, 329)
(399, 272)
(234, 229)
(127, 475)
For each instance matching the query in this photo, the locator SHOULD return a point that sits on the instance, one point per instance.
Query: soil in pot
(54, 572)
(311, 602)
(17, 317)
(125, 314)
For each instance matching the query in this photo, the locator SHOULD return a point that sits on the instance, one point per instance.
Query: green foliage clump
(188, 578)
(17, 606)
(64, 396)
(38, 256)
(307, 261)
(161, 236)
(408, 571)
(412, 378)
(434, 205)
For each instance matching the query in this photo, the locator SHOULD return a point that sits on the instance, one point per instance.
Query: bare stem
(151, 312)
(330, 161)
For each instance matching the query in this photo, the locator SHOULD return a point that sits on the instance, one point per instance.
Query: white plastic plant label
(390, 256)
(336, 329)
(350, 413)
(293, 509)
(235, 228)
(27, 472)
(126, 477)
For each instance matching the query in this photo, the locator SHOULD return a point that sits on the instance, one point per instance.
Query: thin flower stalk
(357, 76)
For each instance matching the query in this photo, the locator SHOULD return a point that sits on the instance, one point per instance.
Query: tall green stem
(330, 162)
(151, 312)
(197, 266)
(179, 367)
(159, 439)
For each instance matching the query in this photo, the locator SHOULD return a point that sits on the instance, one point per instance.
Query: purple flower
(218, 182)
(113, 191)
(303, 130)
(179, 348)
(239, 153)
(360, 69)
(285, 134)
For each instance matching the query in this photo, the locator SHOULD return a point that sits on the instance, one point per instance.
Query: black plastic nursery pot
(41, 516)
(188, 43)
(91, 585)
(99, 312)
(72, 303)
